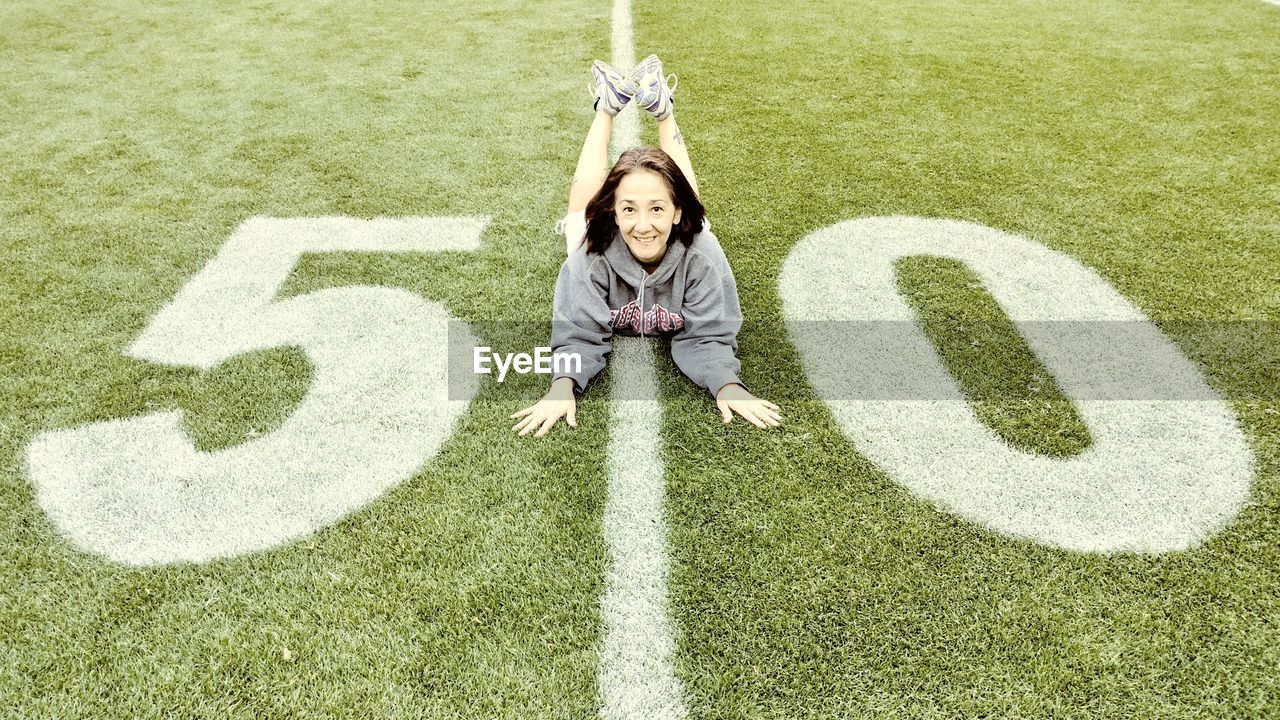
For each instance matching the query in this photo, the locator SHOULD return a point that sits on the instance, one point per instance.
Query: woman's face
(645, 213)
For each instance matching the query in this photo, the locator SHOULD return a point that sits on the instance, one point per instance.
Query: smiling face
(645, 213)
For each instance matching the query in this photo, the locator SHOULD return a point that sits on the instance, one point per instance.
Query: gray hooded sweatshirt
(691, 297)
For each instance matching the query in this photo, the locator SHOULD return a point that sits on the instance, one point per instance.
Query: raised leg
(593, 163)
(672, 143)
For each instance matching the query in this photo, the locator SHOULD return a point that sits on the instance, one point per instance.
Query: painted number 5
(138, 491)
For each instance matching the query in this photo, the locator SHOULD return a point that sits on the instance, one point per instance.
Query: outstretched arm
(593, 163)
(580, 333)
(543, 415)
(706, 349)
(671, 141)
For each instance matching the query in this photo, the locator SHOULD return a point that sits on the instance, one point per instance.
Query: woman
(642, 261)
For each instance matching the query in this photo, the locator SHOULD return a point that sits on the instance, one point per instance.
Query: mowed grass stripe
(1133, 137)
(138, 139)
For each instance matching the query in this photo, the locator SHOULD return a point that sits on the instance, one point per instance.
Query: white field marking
(1160, 476)
(636, 677)
(138, 491)
(626, 126)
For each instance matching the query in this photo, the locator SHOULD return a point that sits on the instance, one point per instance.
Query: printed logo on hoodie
(656, 317)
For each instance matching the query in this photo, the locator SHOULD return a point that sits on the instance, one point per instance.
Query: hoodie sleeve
(580, 319)
(706, 349)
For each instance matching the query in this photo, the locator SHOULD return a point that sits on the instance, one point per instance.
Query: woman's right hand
(557, 403)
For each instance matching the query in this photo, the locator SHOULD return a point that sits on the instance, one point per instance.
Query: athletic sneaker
(612, 90)
(652, 91)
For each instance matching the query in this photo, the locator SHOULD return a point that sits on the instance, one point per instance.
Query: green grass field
(1139, 138)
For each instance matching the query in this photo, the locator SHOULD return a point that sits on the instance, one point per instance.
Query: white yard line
(636, 677)
(626, 126)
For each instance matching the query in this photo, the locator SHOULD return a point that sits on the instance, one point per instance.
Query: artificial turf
(1136, 137)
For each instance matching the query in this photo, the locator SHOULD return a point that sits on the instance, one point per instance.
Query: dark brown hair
(601, 225)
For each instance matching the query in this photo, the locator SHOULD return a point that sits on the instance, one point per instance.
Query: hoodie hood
(630, 269)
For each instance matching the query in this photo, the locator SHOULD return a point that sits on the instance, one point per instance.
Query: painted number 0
(1160, 475)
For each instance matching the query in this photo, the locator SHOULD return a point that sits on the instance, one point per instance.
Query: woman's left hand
(761, 413)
